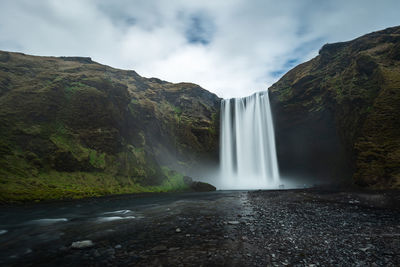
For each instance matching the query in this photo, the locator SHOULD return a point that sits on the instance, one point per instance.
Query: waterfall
(247, 150)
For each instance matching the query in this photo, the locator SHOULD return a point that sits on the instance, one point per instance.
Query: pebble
(96, 253)
(233, 222)
(63, 248)
(178, 230)
(110, 251)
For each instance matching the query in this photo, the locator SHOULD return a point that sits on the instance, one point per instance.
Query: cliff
(70, 127)
(337, 116)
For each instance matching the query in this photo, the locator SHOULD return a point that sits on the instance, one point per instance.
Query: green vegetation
(174, 181)
(177, 110)
(67, 185)
(97, 160)
(73, 88)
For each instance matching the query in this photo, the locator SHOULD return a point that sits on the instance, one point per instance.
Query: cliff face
(70, 126)
(337, 116)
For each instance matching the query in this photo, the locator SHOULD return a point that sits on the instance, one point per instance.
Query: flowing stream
(247, 150)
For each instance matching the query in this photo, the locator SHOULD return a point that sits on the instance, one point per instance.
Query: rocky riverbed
(307, 227)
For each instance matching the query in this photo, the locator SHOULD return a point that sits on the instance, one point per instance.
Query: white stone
(82, 244)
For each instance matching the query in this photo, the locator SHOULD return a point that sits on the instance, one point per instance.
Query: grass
(97, 159)
(74, 185)
(75, 86)
(177, 110)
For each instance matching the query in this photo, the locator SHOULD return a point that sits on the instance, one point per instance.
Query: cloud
(232, 48)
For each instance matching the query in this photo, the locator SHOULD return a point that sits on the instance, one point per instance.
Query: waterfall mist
(247, 148)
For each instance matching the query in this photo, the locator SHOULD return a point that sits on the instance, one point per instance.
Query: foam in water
(114, 218)
(247, 149)
(118, 212)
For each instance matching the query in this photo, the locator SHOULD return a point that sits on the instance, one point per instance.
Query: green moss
(73, 88)
(134, 101)
(32, 130)
(66, 143)
(285, 93)
(79, 152)
(96, 159)
(177, 110)
(67, 185)
(132, 107)
(143, 138)
(174, 182)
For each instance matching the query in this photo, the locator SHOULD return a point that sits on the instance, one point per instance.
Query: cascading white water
(247, 149)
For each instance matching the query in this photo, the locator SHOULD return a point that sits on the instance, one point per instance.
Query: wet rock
(198, 186)
(364, 249)
(159, 248)
(218, 259)
(202, 187)
(110, 251)
(63, 248)
(82, 244)
(96, 254)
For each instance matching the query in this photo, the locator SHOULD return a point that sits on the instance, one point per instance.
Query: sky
(232, 48)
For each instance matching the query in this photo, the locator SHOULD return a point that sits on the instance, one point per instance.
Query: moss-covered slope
(338, 115)
(72, 127)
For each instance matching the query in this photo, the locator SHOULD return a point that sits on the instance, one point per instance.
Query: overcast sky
(230, 47)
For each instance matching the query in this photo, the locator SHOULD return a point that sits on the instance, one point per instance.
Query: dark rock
(202, 187)
(198, 186)
(86, 60)
(159, 248)
(96, 253)
(110, 251)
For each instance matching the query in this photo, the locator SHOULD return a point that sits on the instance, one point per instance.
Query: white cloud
(239, 47)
